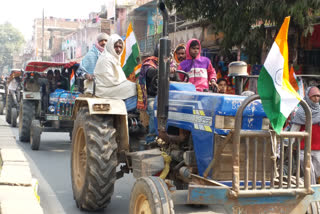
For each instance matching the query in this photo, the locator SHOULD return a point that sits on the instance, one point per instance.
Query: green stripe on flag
(270, 100)
(131, 62)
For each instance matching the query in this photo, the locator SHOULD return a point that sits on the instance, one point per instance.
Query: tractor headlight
(51, 109)
(101, 107)
(224, 122)
(265, 124)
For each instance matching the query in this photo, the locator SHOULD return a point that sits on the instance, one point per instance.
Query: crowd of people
(186, 57)
(102, 63)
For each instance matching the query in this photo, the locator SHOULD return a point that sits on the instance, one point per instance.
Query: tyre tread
(26, 116)
(101, 160)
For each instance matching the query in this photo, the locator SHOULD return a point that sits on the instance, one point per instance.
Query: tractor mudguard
(102, 106)
(31, 95)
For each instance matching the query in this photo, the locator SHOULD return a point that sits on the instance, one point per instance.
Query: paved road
(51, 166)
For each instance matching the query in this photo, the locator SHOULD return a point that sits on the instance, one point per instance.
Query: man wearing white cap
(88, 63)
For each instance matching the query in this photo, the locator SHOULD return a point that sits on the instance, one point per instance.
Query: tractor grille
(64, 109)
(284, 168)
(270, 164)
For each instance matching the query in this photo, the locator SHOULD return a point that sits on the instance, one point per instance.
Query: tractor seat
(131, 103)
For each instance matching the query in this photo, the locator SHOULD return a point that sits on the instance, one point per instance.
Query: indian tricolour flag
(130, 52)
(277, 95)
(72, 80)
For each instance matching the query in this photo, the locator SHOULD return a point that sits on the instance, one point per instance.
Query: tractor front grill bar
(281, 155)
(65, 109)
(261, 167)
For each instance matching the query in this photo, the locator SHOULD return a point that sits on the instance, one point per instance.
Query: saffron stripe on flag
(293, 79)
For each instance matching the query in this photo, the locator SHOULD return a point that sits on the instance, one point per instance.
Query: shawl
(101, 49)
(300, 117)
(141, 84)
(111, 81)
(88, 63)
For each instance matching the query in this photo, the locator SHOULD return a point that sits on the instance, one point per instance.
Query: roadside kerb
(16, 191)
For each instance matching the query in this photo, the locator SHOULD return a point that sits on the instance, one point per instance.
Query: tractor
(13, 96)
(46, 107)
(212, 149)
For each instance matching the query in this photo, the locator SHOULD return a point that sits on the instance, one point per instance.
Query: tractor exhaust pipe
(165, 18)
(164, 67)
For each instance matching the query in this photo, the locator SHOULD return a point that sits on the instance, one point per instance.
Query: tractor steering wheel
(186, 75)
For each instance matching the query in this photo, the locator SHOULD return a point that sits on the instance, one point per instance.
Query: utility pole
(42, 41)
(175, 29)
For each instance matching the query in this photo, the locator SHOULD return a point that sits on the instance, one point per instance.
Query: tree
(238, 19)
(11, 41)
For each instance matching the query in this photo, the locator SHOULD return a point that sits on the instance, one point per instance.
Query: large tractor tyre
(150, 195)
(314, 208)
(26, 115)
(9, 105)
(1, 107)
(93, 160)
(35, 134)
(14, 115)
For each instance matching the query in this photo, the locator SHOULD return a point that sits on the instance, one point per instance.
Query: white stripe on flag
(130, 41)
(137, 71)
(274, 66)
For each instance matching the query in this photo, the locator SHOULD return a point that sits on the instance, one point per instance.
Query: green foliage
(11, 41)
(236, 18)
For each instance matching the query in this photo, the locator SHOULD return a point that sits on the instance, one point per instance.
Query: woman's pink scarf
(101, 49)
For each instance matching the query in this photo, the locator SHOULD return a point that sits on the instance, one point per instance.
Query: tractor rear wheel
(93, 160)
(1, 106)
(26, 115)
(150, 195)
(14, 115)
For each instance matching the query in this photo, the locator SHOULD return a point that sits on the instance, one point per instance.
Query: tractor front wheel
(14, 115)
(150, 195)
(35, 134)
(1, 107)
(9, 105)
(26, 115)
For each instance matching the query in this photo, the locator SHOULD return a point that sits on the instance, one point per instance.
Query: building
(48, 34)
(76, 44)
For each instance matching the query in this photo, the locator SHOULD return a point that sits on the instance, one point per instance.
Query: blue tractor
(45, 107)
(211, 149)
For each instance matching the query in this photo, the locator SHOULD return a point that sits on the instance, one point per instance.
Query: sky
(21, 13)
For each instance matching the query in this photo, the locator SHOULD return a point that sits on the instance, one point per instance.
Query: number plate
(52, 117)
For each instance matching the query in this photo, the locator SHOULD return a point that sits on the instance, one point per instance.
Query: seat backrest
(131, 103)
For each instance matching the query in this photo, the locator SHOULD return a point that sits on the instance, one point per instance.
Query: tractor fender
(28, 95)
(117, 108)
